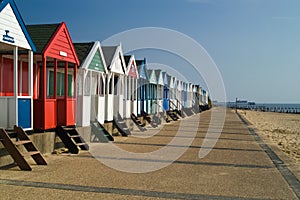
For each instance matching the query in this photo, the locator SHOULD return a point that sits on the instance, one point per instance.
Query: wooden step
(30, 153)
(22, 142)
(99, 133)
(80, 144)
(23, 139)
(74, 136)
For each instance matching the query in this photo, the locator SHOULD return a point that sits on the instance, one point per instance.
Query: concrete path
(238, 167)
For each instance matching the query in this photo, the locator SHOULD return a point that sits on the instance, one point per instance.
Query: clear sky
(255, 43)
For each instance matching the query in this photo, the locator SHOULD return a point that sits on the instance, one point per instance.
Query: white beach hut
(16, 69)
(90, 83)
(114, 81)
(160, 89)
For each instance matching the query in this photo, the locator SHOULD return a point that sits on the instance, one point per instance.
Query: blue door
(166, 98)
(24, 113)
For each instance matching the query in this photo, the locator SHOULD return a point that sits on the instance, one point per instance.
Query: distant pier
(280, 108)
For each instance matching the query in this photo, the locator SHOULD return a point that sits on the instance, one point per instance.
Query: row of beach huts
(47, 80)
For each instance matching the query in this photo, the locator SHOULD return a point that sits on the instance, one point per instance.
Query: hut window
(133, 90)
(155, 92)
(50, 81)
(79, 83)
(100, 86)
(87, 84)
(23, 79)
(70, 85)
(129, 87)
(7, 77)
(116, 82)
(60, 84)
(110, 86)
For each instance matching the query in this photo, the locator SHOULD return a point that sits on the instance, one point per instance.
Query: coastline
(280, 129)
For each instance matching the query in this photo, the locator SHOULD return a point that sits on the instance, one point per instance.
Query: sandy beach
(279, 128)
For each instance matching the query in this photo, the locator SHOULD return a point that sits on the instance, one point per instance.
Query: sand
(280, 128)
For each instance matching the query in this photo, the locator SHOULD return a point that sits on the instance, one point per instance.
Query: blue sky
(255, 43)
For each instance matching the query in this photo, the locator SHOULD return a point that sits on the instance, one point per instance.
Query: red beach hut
(55, 68)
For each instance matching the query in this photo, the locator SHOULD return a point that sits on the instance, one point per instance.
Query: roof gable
(114, 59)
(171, 82)
(109, 52)
(131, 66)
(142, 69)
(91, 56)
(54, 40)
(152, 76)
(159, 77)
(165, 78)
(97, 62)
(12, 27)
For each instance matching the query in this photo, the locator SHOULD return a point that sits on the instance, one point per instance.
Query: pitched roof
(127, 59)
(83, 50)
(3, 4)
(41, 34)
(149, 71)
(157, 72)
(109, 52)
(139, 62)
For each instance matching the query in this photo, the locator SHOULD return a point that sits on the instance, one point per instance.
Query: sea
(267, 107)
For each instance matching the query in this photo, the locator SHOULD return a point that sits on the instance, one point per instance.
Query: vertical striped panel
(61, 47)
(96, 63)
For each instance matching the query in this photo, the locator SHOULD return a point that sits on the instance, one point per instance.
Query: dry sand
(280, 128)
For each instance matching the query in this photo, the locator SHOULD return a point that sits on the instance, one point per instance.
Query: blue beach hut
(166, 78)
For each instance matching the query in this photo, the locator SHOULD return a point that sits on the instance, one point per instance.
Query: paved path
(238, 167)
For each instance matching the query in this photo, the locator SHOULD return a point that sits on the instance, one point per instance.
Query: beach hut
(90, 83)
(166, 94)
(189, 100)
(184, 94)
(200, 93)
(142, 85)
(172, 98)
(55, 69)
(160, 89)
(131, 86)
(205, 98)
(195, 97)
(16, 68)
(178, 94)
(114, 81)
(152, 96)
